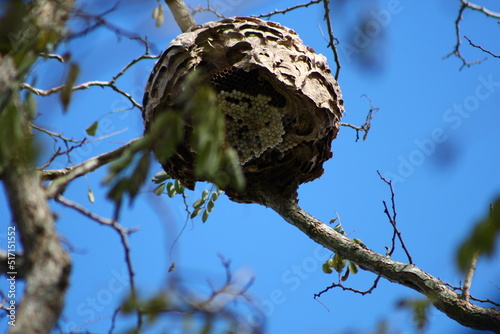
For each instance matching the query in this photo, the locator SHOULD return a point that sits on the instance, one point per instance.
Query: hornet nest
(281, 105)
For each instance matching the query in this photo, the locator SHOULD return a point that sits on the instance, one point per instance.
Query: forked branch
(443, 298)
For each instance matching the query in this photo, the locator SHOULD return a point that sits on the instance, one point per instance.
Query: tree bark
(443, 298)
(46, 266)
(181, 14)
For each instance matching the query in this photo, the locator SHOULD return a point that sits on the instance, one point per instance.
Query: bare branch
(122, 232)
(481, 48)
(62, 177)
(392, 220)
(367, 125)
(89, 84)
(56, 135)
(445, 299)
(481, 9)
(289, 9)
(333, 40)
(345, 288)
(209, 9)
(456, 50)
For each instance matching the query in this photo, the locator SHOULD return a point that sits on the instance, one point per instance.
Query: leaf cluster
(337, 262)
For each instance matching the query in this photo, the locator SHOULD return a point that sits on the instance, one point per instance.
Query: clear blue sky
(436, 135)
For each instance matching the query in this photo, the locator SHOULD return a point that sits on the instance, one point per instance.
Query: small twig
(345, 288)
(209, 9)
(392, 220)
(333, 40)
(289, 9)
(456, 49)
(56, 135)
(481, 48)
(61, 177)
(367, 125)
(59, 153)
(89, 84)
(487, 300)
(122, 231)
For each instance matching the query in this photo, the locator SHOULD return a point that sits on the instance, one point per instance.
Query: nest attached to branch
(281, 105)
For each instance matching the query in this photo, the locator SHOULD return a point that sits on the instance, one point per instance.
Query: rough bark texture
(443, 298)
(181, 13)
(45, 265)
(281, 105)
(48, 264)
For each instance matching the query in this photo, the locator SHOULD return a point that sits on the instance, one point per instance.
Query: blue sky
(436, 135)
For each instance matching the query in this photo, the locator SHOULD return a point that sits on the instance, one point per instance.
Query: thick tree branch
(181, 13)
(443, 298)
(46, 263)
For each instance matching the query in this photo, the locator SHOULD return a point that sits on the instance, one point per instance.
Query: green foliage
(482, 239)
(13, 140)
(420, 309)
(337, 262)
(204, 205)
(92, 129)
(158, 15)
(127, 174)
(215, 159)
(67, 90)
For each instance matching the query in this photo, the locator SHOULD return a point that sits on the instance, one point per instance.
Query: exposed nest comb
(282, 106)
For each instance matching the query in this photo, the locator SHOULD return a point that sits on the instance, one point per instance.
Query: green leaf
(204, 195)
(30, 105)
(159, 189)
(195, 212)
(90, 194)
(353, 267)
(170, 190)
(205, 215)
(160, 177)
(215, 196)
(327, 268)
(179, 188)
(158, 15)
(67, 89)
(482, 239)
(345, 276)
(198, 203)
(333, 220)
(92, 129)
(338, 263)
(210, 206)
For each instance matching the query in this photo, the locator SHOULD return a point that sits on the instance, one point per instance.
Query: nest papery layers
(281, 105)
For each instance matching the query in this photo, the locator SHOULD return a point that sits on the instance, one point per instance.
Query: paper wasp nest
(281, 105)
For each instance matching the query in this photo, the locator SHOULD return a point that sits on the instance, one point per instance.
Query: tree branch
(456, 49)
(289, 9)
(62, 177)
(443, 298)
(181, 13)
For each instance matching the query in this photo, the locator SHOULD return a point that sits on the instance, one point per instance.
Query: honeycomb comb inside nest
(281, 105)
